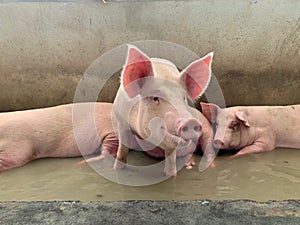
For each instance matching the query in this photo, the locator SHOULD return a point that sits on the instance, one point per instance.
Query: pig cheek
(228, 138)
(235, 139)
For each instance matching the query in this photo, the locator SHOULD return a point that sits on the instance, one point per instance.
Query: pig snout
(218, 143)
(189, 129)
(186, 127)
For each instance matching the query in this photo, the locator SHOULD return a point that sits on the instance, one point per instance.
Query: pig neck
(248, 136)
(263, 126)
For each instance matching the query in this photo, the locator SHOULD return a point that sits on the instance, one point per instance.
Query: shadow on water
(260, 177)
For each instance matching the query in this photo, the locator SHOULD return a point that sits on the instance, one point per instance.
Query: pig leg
(209, 155)
(170, 163)
(255, 148)
(6, 164)
(104, 154)
(121, 158)
(15, 156)
(109, 148)
(126, 141)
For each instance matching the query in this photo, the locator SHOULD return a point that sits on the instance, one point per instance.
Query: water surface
(266, 176)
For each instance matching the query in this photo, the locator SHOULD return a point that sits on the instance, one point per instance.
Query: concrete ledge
(151, 212)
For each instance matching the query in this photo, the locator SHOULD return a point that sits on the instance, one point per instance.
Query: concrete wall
(45, 47)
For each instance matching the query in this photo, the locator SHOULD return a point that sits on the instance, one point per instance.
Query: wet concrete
(149, 212)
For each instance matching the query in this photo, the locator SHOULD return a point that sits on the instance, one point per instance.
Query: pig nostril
(190, 129)
(184, 129)
(197, 128)
(218, 143)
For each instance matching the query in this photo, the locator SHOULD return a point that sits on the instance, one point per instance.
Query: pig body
(255, 129)
(49, 132)
(151, 110)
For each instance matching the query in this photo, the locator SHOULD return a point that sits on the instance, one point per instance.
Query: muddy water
(261, 177)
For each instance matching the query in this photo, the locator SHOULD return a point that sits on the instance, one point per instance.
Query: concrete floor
(151, 212)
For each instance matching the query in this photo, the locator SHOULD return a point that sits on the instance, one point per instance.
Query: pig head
(254, 129)
(231, 125)
(151, 107)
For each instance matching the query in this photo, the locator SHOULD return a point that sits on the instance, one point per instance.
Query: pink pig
(255, 129)
(52, 132)
(151, 110)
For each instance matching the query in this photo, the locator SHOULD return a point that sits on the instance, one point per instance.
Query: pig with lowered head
(254, 129)
(151, 111)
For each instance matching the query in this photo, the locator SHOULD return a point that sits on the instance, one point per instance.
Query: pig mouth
(184, 147)
(180, 142)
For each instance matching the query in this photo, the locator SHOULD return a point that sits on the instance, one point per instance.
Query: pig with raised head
(151, 107)
(53, 132)
(254, 129)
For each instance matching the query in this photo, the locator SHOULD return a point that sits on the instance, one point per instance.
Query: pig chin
(234, 145)
(232, 141)
(182, 146)
(186, 148)
(167, 140)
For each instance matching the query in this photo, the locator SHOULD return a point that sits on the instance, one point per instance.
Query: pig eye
(234, 125)
(156, 99)
(185, 100)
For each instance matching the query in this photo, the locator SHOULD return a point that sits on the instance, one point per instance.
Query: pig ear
(210, 111)
(138, 65)
(242, 117)
(197, 75)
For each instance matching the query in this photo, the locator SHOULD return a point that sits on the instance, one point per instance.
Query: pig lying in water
(151, 110)
(255, 129)
(49, 132)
